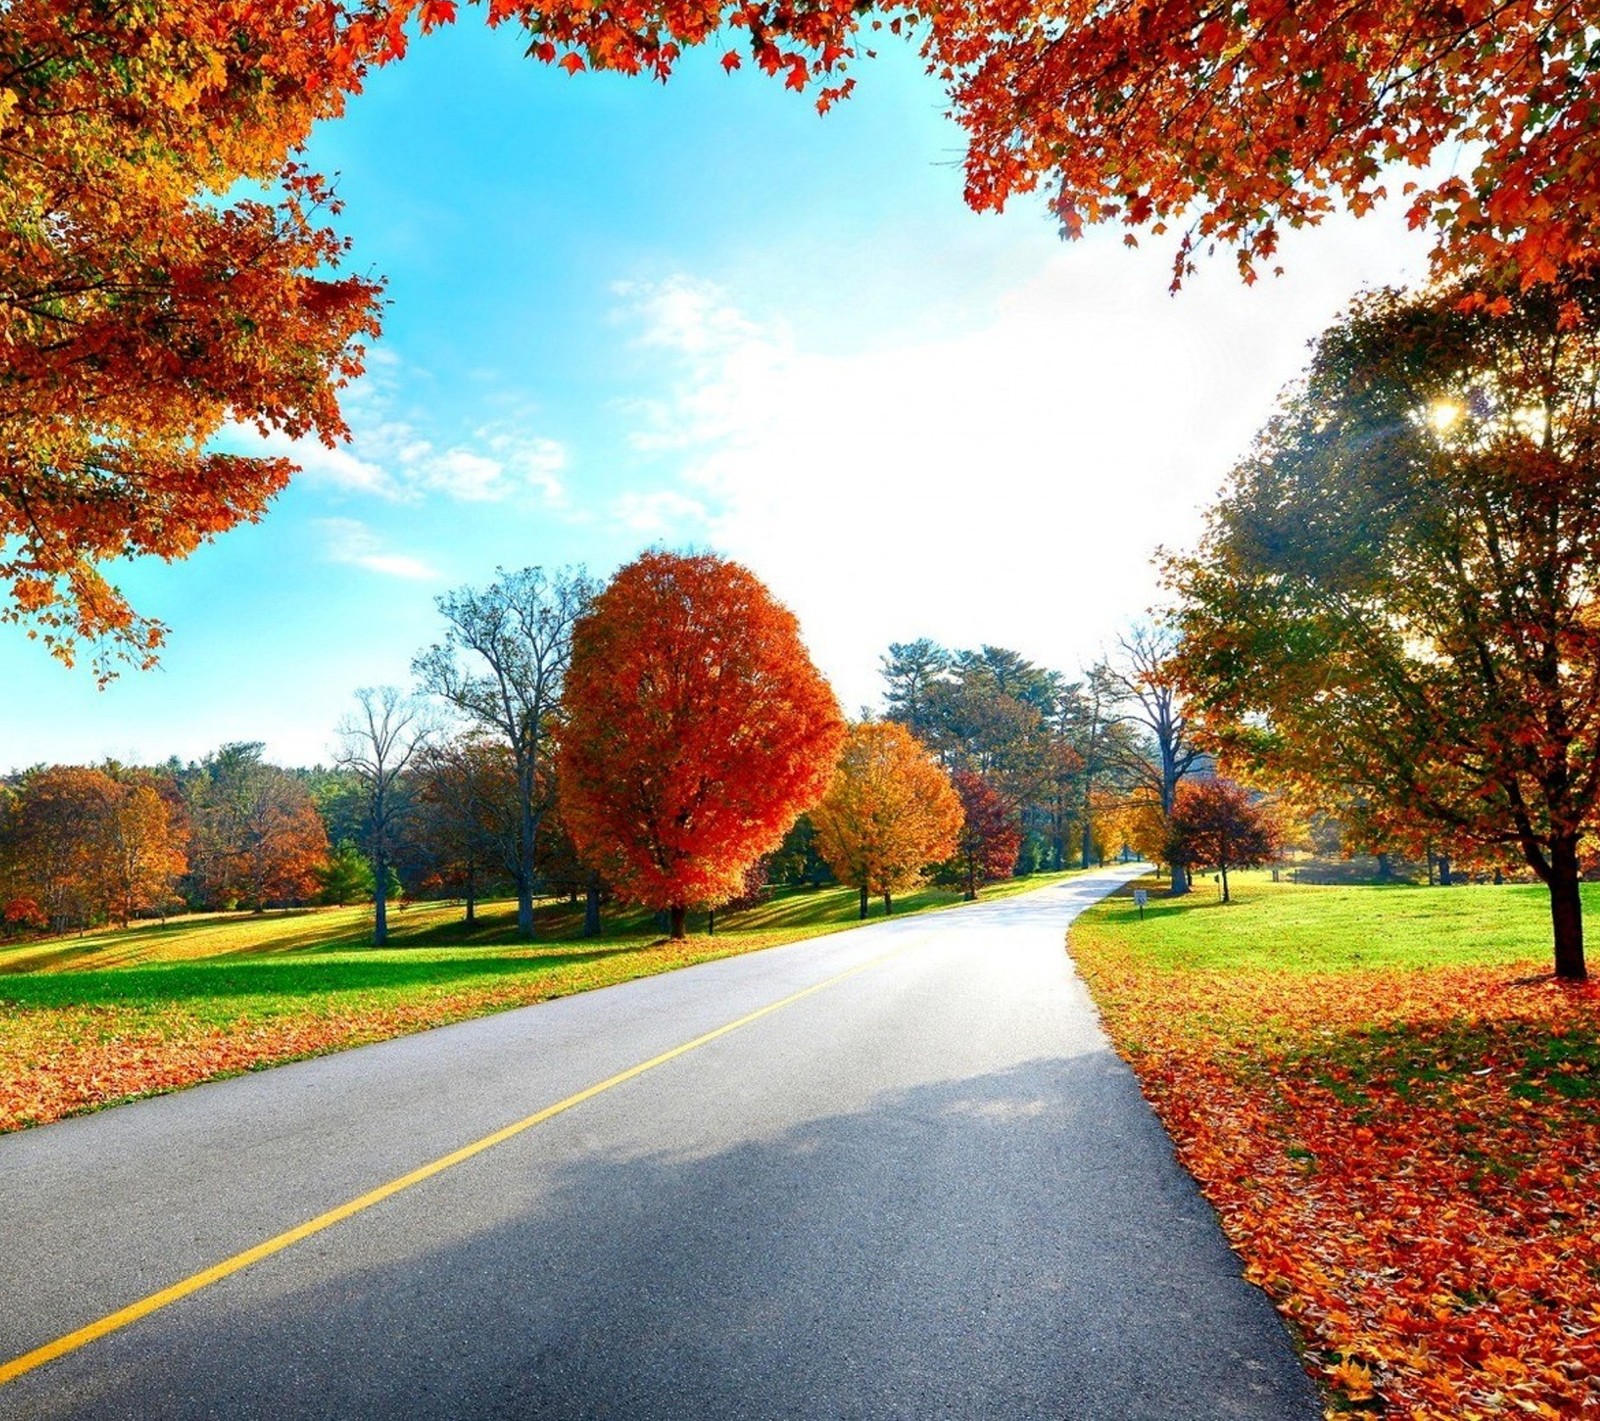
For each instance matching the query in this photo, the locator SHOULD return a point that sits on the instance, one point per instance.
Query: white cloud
(1007, 481)
(664, 513)
(388, 457)
(336, 468)
(350, 541)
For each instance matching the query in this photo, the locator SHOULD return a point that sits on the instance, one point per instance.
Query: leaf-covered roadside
(62, 1059)
(1408, 1161)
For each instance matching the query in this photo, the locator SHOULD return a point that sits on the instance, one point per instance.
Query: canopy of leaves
(697, 730)
(257, 838)
(79, 845)
(139, 313)
(890, 812)
(1233, 122)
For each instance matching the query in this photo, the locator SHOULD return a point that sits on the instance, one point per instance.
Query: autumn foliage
(78, 846)
(1230, 124)
(697, 730)
(987, 844)
(1408, 1161)
(889, 813)
(1394, 602)
(138, 314)
(1217, 824)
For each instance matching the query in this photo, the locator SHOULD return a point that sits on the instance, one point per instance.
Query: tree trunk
(1087, 856)
(1446, 879)
(1385, 868)
(380, 900)
(711, 922)
(472, 897)
(1225, 897)
(1566, 910)
(1180, 880)
(530, 829)
(888, 903)
(678, 915)
(591, 911)
(863, 900)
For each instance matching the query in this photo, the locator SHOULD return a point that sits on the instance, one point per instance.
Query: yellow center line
(115, 1321)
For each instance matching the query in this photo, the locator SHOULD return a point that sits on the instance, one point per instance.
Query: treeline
(639, 777)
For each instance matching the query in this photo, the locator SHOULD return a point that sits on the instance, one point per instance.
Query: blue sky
(700, 315)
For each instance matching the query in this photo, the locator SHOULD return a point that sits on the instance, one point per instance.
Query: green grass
(1300, 927)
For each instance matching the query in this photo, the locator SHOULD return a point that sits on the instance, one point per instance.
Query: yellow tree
(144, 850)
(890, 811)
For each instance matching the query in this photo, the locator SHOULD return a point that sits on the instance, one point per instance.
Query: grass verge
(1395, 1111)
(91, 1021)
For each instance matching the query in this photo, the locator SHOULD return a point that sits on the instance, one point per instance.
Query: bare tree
(502, 664)
(377, 742)
(1141, 679)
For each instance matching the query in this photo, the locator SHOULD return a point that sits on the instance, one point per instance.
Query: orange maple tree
(138, 312)
(890, 812)
(697, 730)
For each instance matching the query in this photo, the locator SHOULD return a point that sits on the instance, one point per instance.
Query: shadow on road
(1013, 1245)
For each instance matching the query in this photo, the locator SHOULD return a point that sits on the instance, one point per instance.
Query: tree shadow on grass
(161, 983)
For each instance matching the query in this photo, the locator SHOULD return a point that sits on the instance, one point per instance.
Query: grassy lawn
(1396, 1112)
(88, 1021)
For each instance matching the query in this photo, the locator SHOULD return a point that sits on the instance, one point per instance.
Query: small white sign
(1140, 897)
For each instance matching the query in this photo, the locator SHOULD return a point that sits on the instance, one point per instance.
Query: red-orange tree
(696, 731)
(1215, 824)
(889, 813)
(986, 847)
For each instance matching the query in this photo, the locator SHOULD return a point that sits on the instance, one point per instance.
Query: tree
(1143, 677)
(986, 847)
(515, 637)
(141, 312)
(145, 849)
(1214, 824)
(697, 729)
(889, 813)
(911, 668)
(1395, 600)
(347, 876)
(469, 815)
(257, 837)
(1235, 122)
(57, 849)
(379, 743)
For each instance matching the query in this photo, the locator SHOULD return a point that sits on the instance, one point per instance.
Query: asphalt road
(926, 1190)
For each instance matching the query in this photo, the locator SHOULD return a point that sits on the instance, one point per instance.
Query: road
(923, 1186)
